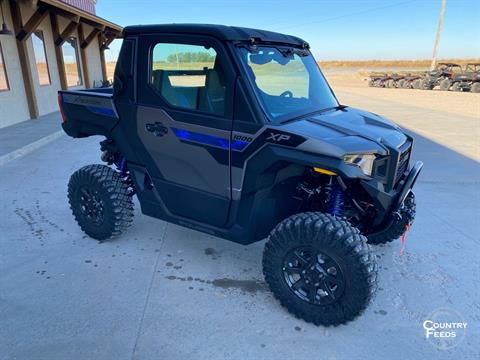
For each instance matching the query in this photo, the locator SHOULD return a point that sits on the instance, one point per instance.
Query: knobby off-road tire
(407, 84)
(100, 201)
(319, 243)
(445, 84)
(456, 87)
(417, 84)
(475, 88)
(422, 85)
(407, 213)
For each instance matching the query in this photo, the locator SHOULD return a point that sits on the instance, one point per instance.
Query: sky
(335, 29)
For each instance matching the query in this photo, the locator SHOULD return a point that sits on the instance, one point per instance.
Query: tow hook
(407, 227)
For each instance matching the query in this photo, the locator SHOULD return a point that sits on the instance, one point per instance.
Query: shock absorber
(336, 201)
(121, 164)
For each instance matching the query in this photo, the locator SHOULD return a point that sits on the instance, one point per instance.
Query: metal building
(47, 45)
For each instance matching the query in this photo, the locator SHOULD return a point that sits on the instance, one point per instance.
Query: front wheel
(405, 215)
(445, 84)
(475, 88)
(456, 87)
(100, 201)
(417, 84)
(320, 268)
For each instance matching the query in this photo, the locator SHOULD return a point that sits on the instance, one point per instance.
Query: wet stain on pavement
(251, 286)
(36, 221)
(210, 251)
(213, 253)
(246, 286)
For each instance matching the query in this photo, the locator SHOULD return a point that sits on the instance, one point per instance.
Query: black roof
(221, 32)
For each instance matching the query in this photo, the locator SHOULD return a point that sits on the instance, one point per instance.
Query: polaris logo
(278, 137)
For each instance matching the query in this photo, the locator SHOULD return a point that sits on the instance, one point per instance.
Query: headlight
(363, 161)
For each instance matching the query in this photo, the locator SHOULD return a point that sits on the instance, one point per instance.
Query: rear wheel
(390, 83)
(417, 84)
(423, 85)
(100, 201)
(407, 84)
(456, 87)
(320, 268)
(400, 83)
(475, 87)
(445, 84)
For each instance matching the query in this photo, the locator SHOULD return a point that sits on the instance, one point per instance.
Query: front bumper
(389, 202)
(408, 184)
(402, 211)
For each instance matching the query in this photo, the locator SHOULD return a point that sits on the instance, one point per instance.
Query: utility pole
(437, 38)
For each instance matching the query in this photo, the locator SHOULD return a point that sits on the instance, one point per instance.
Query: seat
(212, 97)
(160, 79)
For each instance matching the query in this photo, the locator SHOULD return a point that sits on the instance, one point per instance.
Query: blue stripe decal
(239, 145)
(102, 111)
(211, 140)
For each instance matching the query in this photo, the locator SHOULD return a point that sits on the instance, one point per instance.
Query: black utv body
(382, 81)
(235, 132)
(469, 80)
(441, 76)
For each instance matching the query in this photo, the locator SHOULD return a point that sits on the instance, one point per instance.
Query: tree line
(186, 57)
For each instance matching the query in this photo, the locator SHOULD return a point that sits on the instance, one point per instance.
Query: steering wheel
(287, 94)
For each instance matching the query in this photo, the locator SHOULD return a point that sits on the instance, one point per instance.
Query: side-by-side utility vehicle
(235, 132)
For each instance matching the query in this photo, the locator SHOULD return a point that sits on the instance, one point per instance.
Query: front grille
(402, 162)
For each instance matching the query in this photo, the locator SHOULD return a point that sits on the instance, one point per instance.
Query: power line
(345, 15)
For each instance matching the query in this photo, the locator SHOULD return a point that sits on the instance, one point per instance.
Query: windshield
(287, 81)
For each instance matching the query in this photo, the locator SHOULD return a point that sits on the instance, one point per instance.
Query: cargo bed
(87, 112)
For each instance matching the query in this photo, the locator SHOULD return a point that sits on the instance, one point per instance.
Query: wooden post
(83, 55)
(102, 58)
(69, 29)
(24, 63)
(93, 34)
(31, 25)
(59, 53)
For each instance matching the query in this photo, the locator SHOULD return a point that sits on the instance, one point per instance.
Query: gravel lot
(165, 292)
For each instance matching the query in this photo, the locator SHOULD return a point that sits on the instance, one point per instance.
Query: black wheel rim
(91, 205)
(313, 276)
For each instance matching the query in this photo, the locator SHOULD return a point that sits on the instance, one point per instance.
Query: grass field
(373, 64)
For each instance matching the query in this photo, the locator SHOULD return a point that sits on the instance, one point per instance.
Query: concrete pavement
(25, 137)
(164, 292)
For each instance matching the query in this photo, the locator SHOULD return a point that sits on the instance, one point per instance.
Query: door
(184, 120)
